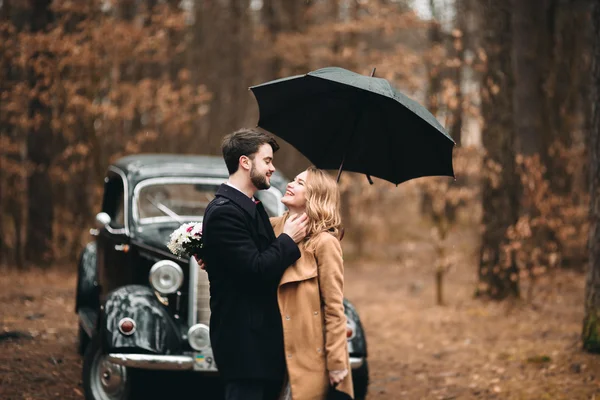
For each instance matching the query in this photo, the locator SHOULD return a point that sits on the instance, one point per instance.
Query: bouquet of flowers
(187, 240)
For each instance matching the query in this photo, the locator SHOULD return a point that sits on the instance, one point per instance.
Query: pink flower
(189, 229)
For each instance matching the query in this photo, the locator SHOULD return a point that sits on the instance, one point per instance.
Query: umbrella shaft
(340, 170)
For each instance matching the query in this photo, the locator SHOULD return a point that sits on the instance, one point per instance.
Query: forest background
(83, 83)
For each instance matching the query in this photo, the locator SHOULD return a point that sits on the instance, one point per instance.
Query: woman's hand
(336, 377)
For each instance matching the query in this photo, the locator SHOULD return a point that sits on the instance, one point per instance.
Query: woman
(310, 292)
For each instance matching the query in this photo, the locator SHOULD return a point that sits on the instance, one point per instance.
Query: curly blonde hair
(322, 205)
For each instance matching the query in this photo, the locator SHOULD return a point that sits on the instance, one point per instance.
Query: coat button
(318, 349)
(289, 355)
(316, 313)
(287, 317)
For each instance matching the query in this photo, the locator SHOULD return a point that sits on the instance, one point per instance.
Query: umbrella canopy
(340, 119)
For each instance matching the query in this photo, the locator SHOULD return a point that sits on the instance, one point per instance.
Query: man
(245, 261)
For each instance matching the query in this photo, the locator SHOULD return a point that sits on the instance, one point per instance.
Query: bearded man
(245, 261)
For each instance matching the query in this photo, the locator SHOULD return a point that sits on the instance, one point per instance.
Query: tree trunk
(273, 23)
(13, 178)
(223, 59)
(40, 205)
(457, 47)
(591, 321)
(434, 66)
(240, 42)
(4, 76)
(498, 275)
(527, 95)
(567, 90)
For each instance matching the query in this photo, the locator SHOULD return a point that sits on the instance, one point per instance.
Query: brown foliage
(112, 89)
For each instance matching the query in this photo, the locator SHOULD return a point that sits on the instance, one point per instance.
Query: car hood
(156, 236)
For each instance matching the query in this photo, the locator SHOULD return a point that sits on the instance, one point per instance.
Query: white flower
(185, 238)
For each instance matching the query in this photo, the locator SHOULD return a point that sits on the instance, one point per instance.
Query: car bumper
(356, 362)
(150, 361)
(176, 363)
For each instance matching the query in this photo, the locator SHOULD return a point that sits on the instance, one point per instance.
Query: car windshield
(167, 200)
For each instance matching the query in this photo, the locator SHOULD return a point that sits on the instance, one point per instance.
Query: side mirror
(102, 219)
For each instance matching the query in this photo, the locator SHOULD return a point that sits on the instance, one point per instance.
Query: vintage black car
(139, 306)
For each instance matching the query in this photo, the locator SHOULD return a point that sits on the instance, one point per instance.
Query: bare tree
(40, 146)
(527, 94)
(434, 64)
(457, 47)
(591, 322)
(498, 273)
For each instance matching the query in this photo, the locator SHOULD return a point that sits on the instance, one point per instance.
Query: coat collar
(305, 267)
(302, 270)
(238, 198)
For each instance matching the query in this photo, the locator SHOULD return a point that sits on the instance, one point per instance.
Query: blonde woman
(311, 291)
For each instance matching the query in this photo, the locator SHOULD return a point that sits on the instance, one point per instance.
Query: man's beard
(258, 180)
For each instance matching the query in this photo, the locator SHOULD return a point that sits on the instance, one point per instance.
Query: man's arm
(230, 241)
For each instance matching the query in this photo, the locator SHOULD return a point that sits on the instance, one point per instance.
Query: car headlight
(166, 276)
(199, 337)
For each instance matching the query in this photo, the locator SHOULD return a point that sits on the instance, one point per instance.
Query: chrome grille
(203, 298)
(199, 295)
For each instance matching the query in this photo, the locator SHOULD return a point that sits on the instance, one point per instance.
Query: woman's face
(295, 193)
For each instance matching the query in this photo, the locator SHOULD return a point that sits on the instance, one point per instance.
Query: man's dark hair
(244, 142)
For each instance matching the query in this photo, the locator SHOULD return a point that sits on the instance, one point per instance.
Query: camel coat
(310, 297)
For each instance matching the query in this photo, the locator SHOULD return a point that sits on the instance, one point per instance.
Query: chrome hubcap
(108, 380)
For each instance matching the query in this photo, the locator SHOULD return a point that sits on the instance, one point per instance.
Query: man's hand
(336, 377)
(200, 262)
(295, 227)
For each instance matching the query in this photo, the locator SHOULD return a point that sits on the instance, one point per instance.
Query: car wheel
(83, 341)
(360, 381)
(103, 380)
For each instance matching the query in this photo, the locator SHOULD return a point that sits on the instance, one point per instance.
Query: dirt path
(464, 350)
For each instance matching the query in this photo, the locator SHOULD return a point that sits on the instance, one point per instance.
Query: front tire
(360, 381)
(103, 380)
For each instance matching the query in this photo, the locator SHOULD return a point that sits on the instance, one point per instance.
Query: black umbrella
(343, 120)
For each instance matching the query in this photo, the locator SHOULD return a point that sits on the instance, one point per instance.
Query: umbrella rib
(358, 116)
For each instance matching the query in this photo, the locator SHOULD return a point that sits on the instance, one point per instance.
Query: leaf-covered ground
(467, 349)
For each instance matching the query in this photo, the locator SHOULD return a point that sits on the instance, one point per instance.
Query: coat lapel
(239, 198)
(263, 223)
(245, 203)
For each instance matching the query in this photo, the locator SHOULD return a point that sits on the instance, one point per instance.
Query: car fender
(155, 329)
(87, 294)
(359, 342)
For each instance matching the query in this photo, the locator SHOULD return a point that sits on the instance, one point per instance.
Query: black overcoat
(245, 262)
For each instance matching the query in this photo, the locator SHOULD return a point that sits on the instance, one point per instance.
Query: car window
(113, 203)
(119, 219)
(162, 202)
(271, 200)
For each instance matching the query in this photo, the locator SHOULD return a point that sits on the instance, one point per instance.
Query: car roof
(143, 166)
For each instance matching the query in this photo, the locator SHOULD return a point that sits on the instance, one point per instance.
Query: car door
(113, 242)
